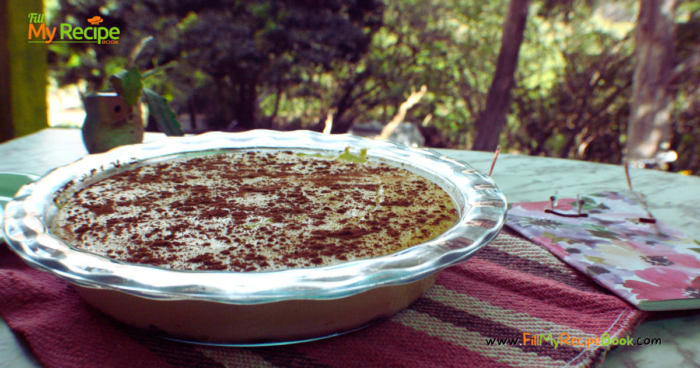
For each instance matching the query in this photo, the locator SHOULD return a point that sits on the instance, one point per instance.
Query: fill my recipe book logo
(39, 32)
(566, 339)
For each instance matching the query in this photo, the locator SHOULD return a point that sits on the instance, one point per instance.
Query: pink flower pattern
(637, 261)
(663, 284)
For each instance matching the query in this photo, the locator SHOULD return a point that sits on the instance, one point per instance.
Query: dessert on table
(254, 211)
(254, 238)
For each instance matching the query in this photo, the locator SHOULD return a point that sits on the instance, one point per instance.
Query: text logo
(66, 33)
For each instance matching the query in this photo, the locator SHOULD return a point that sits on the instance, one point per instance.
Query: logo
(95, 20)
(66, 33)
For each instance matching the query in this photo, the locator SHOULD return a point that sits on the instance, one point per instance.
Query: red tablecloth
(509, 288)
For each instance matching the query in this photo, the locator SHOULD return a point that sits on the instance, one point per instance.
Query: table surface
(672, 198)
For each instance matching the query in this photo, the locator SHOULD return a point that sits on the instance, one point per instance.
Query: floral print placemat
(651, 265)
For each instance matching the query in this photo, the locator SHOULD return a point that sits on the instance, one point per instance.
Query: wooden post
(23, 67)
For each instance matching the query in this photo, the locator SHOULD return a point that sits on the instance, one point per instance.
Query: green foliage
(128, 85)
(286, 64)
(686, 84)
(165, 117)
(583, 111)
(231, 53)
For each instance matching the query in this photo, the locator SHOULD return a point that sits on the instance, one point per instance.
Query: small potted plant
(114, 118)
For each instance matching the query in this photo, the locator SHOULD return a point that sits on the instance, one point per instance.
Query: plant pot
(110, 122)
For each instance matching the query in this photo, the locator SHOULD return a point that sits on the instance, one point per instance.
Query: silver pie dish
(254, 308)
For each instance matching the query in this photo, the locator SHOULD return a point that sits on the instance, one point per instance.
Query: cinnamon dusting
(254, 211)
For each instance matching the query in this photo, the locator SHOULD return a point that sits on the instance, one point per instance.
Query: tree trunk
(193, 115)
(493, 118)
(248, 97)
(245, 97)
(650, 124)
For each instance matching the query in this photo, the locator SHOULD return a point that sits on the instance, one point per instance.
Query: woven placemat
(510, 288)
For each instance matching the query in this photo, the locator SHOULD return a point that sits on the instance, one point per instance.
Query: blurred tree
(493, 118)
(570, 99)
(685, 85)
(577, 105)
(444, 45)
(649, 128)
(234, 52)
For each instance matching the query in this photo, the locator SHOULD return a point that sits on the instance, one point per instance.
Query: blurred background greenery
(282, 64)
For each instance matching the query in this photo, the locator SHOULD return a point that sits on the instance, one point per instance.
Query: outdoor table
(672, 198)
